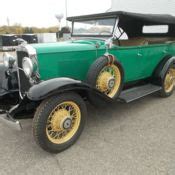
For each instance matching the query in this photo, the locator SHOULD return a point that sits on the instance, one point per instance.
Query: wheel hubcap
(67, 123)
(111, 83)
(63, 122)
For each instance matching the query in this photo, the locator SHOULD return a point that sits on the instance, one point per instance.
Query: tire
(52, 117)
(95, 71)
(168, 88)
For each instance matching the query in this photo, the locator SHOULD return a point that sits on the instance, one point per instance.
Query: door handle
(165, 51)
(139, 54)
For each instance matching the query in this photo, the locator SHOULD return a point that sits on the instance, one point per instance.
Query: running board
(135, 93)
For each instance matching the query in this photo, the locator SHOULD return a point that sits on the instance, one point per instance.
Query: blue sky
(42, 13)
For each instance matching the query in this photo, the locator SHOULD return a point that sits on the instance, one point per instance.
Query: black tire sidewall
(47, 106)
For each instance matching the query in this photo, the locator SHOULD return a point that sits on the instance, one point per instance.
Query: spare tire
(107, 75)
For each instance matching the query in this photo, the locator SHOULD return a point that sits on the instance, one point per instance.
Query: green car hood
(68, 46)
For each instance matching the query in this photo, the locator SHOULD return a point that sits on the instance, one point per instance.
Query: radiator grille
(24, 83)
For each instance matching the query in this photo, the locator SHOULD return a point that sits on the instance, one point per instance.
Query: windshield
(97, 27)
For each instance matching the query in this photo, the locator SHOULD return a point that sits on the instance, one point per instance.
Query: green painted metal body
(73, 58)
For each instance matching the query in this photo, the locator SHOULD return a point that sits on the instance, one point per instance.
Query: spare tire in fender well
(99, 65)
(94, 72)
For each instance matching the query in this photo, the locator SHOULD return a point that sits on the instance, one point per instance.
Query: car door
(151, 55)
(131, 60)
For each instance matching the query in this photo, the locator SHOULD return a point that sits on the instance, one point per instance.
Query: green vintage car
(114, 56)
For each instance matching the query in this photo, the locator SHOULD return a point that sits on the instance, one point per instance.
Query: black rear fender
(162, 68)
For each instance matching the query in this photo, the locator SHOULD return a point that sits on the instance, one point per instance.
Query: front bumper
(5, 105)
(9, 115)
(10, 121)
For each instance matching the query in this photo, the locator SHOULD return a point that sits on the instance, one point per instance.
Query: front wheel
(59, 121)
(168, 83)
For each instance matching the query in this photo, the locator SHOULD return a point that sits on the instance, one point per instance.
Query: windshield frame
(105, 36)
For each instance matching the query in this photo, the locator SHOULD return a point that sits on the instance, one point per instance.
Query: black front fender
(55, 86)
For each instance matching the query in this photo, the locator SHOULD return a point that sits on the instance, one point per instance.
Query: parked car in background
(8, 42)
(30, 38)
(112, 56)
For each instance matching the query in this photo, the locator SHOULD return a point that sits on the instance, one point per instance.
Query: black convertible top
(128, 16)
(132, 23)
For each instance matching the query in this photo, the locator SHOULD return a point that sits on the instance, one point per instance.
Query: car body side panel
(66, 59)
(140, 62)
(130, 61)
(151, 57)
(71, 64)
(74, 59)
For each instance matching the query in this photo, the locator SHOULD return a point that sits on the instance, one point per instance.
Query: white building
(47, 37)
(144, 6)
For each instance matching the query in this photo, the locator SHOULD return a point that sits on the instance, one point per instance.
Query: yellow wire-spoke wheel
(109, 80)
(63, 122)
(169, 81)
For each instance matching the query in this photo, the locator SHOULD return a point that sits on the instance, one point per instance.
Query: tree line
(17, 29)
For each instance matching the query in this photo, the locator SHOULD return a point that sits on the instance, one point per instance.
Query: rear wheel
(168, 83)
(59, 121)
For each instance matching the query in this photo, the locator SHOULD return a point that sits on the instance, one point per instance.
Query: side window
(121, 34)
(160, 29)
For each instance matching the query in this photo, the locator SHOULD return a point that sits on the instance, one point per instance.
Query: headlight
(8, 60)
(27, 66)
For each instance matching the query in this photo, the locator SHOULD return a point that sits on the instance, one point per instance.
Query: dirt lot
(122, 139)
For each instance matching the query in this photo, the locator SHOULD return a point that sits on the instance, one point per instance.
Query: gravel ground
(121, 139)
